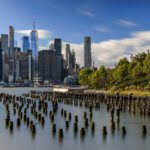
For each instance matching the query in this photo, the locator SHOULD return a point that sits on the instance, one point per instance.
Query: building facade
(1, 66)
(87, 53)
(25, 43)
(34, 48)
(58, 49)
(5, 56)
(11, 54)
(48, 65)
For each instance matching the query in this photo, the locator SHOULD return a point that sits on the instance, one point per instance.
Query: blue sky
(71, 20)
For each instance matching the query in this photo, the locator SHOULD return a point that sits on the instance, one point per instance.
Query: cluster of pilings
(32, 110)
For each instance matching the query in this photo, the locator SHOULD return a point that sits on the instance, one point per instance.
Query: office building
(25, 43)
(87, 53)
(11, 54)
(58, 49)
(5, 56)
(1, 66)
(25, 66)
(48, 65)
(34, 48)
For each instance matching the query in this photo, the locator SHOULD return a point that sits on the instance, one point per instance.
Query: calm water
(21, 139)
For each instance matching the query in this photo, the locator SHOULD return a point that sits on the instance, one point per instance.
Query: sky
(118, 27)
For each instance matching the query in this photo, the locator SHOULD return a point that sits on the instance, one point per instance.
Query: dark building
(87, 52)
(48, 65)
(58, 46)
(58, 49)
(25, 43)
(26, 65)
(1, 66)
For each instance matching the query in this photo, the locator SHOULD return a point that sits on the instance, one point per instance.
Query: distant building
(48, 65)
(87, 53)
(58, 46)
(11, 41)
(25, 43)
(5, 59)
(70, 60)
(4, 42)
(58, 49)
(11, 54)
(1, 66)
(34, 48)
(67, 53)
(25, 65)
(71, 80)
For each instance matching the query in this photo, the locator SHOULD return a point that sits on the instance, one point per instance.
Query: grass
(135, 92)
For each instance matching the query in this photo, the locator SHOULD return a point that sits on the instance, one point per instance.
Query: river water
(22, 139)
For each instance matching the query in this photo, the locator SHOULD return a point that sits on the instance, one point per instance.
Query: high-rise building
(34, 48)
(5, 59)
(4, 42)
(11, 41)
(58, 46)
(25, 65)
(11, 54)
(67, 53)
(87, 52)
(1, 66)
(47, 65)
(25, 43)
(58, 49)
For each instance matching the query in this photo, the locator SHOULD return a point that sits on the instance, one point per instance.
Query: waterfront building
(25, 43)
(87, 52)
(25, 66)
(48, 65)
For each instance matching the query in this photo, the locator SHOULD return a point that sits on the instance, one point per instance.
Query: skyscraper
(87, 52)
(11, 54)
(5, 59)
(11, 41)
(1, 66)
(67, 53)
(4, 42)
(57, 46)
(48, 65)
(34, 47)
(58, 49)
(25, 43)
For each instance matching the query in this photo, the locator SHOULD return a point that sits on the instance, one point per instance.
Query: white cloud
(42, 34)
(102, 29)
(86, 13)
(126, 22)
(110, 51)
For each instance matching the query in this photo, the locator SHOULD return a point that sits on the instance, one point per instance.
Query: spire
(34, 23)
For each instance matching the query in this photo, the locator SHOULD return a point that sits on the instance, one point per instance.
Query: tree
(84, 76)
(99, 78)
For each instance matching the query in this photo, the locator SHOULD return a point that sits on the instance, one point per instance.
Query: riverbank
(124, 92)
(134, 92)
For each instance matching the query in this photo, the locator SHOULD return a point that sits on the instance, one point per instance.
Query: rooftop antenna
(34, 23)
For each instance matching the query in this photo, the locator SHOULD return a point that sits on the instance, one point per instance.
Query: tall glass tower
(25, 43)
(34, 47)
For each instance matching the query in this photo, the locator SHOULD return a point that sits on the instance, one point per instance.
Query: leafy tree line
(133, 74)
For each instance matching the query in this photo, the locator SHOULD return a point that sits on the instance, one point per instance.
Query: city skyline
(114, 34)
